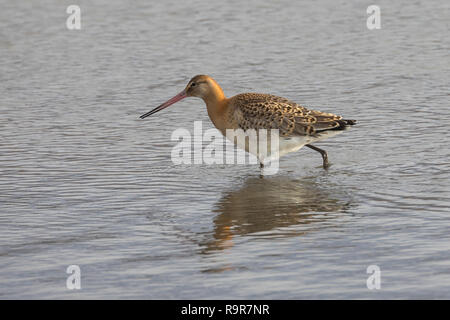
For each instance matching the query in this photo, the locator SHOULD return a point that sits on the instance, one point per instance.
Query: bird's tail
(344, 124)
(349, 122)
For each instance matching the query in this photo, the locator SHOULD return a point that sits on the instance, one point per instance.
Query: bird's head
(200, 86)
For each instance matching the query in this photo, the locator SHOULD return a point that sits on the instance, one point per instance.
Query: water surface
(83, 181)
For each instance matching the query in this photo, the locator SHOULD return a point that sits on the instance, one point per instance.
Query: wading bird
(297, 125)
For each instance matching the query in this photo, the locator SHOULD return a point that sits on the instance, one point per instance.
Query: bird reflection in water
(272, 207)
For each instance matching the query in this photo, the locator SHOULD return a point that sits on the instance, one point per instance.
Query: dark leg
(261, 168)
(323, 153)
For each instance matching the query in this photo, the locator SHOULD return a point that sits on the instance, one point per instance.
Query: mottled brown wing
(257, 111)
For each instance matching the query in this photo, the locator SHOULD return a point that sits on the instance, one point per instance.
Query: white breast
(285, 144)
(292, 144)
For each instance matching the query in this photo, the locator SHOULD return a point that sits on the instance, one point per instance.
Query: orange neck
(216, 104)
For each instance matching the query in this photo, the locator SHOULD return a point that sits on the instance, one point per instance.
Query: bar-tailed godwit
(297, 125)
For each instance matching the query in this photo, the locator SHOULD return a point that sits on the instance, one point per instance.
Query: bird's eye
(193, 84)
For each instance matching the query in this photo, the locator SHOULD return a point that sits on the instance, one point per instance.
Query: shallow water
(83, 181)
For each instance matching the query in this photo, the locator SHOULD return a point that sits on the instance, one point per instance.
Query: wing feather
(259, 111)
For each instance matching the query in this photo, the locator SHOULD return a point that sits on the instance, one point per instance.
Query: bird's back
(265, 111)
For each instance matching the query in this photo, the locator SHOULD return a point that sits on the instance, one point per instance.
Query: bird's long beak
(169, 102)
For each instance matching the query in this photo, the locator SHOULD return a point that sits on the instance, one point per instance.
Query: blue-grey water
(84, 182)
